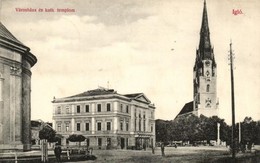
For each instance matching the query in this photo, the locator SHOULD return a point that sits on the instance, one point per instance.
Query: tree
(161, 130)
(56, 138)
(225, 132)
(192, 128)
(76, 138)
(47, 133)
(249, 130)
(258, 133)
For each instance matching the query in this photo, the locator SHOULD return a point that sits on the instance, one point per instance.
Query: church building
(16, 61)
(205, 101)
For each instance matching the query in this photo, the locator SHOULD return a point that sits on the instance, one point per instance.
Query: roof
(8, 41)
(6, 34)
(35, 123)
(204, 31)
(133, 95)
(94, 92)
(188, 107)
(103, 93)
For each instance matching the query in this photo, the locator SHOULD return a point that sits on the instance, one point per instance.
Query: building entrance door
(122, 143)
(87, 142)
(108, 143)
(99, 143)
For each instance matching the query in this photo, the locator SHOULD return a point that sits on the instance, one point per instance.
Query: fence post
(68, 153)
(15, 156)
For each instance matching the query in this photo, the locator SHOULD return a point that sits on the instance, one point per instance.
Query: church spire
(205, 46)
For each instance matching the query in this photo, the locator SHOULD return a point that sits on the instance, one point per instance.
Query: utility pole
(239, 140)
(232, 104)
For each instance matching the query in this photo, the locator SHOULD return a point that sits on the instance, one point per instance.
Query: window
(140, 125)
(59, 110)
(135, 123)
(78, 126)
(99, 108)
(121, 107)
(108, 107)
(127, 142)
(78, 108)
(87, 108)
(108, 126)
(121, 126)
(207, 73)
(59, 127)
(99, 126)
(127, 109)
(67, 110)
(151, 127)
(99, 143)
(144, 125)
(208, 88)
(126, 126)
(87, 126)
(67, 126)
(109, 142)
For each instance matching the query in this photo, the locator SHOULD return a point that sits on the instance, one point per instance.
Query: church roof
(8, 41)
(187, 108)
(204, 30)
(205, 45)
(7, 35)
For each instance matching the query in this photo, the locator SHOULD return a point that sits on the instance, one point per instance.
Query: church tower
(205, 73)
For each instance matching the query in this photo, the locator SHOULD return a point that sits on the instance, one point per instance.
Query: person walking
(152, 149)
(57, 152)
(162, 149)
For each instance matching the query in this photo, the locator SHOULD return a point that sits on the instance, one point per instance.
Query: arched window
(207, 87)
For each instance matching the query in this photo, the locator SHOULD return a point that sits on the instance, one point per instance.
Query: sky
(134, 46)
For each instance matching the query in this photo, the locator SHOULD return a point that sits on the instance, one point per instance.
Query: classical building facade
(16, 61)
(106, 118)
(204, 76)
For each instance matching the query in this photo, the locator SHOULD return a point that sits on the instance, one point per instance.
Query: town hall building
(205, 101)
(107, 119)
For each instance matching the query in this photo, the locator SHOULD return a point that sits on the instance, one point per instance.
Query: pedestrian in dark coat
(57, 152)
(162, 149)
